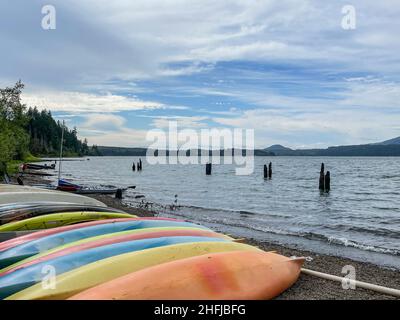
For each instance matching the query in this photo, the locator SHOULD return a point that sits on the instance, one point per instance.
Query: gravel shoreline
(307, 287)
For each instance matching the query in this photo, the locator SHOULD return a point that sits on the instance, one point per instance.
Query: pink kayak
(43, 233)
(118, 239)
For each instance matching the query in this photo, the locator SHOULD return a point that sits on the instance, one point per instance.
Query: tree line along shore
(27, 133)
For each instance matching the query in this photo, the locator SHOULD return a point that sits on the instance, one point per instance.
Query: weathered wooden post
(327, 181)
(133, 167)
(140, 164)
(270, 170)
(322, 177)
(208, 169)
(20, 181)
(118, 194)
(265, 171)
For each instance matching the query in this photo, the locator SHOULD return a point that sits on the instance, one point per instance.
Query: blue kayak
(26, 277)
(28, 249)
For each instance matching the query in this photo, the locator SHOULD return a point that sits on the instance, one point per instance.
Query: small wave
(390, 176)
(308, 235)
(230, 211)
(350, 243)
(246, 212)
(375, 231)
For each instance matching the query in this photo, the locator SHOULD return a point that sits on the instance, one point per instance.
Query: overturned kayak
(27, 207)
(107, 239)
(26, 212)
(81, 190)
(28, 249)
(60, 219)
(95, 273)
(47, 232)
(20, 194)
(218, 276)
(26, 277)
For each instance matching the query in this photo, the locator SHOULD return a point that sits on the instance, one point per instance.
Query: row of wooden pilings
(138, 166)
(324, 179)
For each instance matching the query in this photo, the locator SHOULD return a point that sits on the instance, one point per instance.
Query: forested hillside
(27, 131)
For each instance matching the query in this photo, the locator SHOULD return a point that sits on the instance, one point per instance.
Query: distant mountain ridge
(141, 152)
(391, 141)
(385, 148)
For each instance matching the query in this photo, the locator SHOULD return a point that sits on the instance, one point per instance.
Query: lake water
(359, 218)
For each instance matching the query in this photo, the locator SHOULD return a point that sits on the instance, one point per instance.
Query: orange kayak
(219, 276)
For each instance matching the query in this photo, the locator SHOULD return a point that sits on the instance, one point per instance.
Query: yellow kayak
(60, 219)
(93, 274)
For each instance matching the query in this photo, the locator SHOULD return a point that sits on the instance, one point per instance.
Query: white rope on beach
(360, 284)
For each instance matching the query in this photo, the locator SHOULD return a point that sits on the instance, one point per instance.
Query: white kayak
(21, 194)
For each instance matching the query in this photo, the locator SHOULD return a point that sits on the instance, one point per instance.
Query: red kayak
(43, 233)
(118, 239)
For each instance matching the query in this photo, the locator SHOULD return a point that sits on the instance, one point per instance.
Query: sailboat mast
(61, 153)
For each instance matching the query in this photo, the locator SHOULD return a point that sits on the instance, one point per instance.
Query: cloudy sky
(285, 68)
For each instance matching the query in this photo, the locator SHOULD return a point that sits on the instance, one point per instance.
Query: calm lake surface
(359, 218)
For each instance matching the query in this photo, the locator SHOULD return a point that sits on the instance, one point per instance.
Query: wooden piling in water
(118, 194)
(133, 167)
(327, 181)
(270, 170)
(265, 171)
(140, 164)
(322, 178)
(208, 169)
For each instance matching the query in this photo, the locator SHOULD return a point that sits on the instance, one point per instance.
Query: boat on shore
(20, 194)
(72, 239)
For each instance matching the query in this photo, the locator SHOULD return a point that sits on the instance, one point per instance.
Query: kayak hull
(98, 272)
(219, 276)
(26, 250)
(60, 219)
(112, 238)
(26, 277)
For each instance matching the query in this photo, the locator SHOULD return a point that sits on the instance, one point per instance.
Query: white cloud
(124, 137)
(105, 122)
(86, 102)
(182, 122)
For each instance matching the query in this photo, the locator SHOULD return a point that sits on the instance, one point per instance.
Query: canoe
(33, 166)
(26, 250)
(26, 277)
(83, 190)
(60, 219)
(238, 275)
(104, 270)
(47, 232)
(111, 238)
(20, 194)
